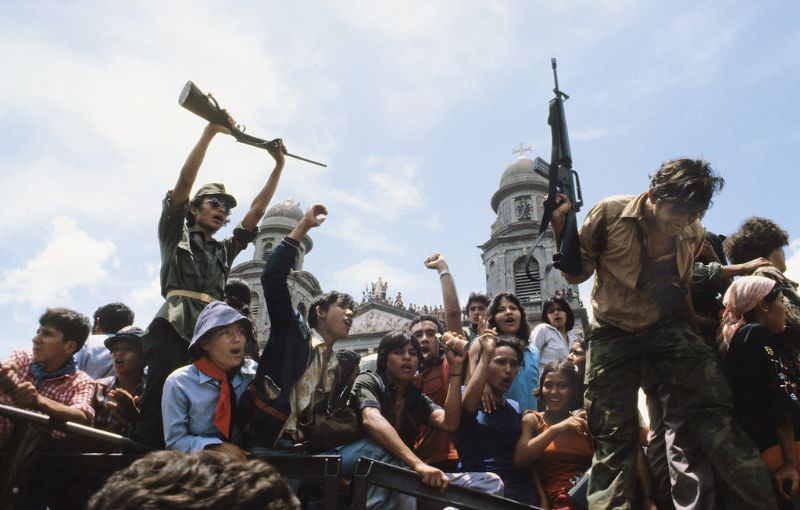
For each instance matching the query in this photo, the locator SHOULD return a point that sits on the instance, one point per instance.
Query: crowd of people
(526, 414)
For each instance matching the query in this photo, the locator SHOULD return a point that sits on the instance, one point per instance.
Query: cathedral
(517, 204)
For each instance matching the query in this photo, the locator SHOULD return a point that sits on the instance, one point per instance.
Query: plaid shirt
(74, 390)
(104, 418)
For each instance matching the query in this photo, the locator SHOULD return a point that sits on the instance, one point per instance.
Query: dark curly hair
(689, 183)
(169, 479)
(756, 237)
(73, 325)
(524, 331)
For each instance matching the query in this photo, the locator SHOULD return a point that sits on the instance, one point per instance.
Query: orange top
(434, 445)
(564, 459)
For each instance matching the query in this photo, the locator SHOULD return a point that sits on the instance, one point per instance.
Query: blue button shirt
(94, 358)
(188, 403)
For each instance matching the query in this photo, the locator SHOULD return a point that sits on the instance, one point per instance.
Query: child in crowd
(199, 402)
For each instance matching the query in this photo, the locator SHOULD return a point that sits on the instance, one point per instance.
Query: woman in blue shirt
(200, 399)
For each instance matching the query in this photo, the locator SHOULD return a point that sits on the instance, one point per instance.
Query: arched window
(255, 305)
(267, 251)
(524, 288)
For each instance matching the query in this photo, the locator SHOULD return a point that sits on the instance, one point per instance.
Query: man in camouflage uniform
(194, 267)
(642, 249)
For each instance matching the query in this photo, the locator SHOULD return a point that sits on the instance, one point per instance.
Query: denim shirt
(188, 404)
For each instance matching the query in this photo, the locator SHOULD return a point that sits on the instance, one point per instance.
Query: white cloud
(390, 191)
(793, 260)
(359, 234)
(426, 49)
(146, 300)
(71, 260)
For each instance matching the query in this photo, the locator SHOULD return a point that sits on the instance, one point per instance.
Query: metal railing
(395, 478)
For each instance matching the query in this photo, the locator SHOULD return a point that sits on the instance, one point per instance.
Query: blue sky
(414, 105)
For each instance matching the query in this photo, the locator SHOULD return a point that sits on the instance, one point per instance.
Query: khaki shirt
(189, 262)
(302, 393)
(611, 240)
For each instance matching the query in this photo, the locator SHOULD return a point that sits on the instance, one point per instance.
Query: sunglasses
(216, 203)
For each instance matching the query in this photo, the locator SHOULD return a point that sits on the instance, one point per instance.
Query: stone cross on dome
(522, 149)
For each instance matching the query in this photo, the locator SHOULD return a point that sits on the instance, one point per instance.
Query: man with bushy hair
(643, 248)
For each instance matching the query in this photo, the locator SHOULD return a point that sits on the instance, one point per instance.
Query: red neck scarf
(222, 414)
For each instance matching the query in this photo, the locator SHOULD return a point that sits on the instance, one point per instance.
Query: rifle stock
(205, 106)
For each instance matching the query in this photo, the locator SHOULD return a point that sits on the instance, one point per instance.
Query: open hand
(752, 265)
(229, 449)
(488, 402)
(123, 405)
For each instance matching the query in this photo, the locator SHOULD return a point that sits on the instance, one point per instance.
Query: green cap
(216, 189)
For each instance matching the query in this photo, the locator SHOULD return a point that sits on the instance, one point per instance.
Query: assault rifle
(207, 107)
(562, 179)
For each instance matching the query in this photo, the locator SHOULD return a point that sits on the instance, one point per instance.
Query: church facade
(518, 207)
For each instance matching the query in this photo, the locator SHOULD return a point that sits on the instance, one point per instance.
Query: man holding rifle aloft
(642, 249)
(194, 267)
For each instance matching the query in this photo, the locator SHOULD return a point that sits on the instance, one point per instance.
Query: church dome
(286, 209)
(522, 171)
(523, 174)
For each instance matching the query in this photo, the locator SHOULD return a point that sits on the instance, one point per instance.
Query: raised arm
(452, 311)
(288, 337)
(449, 418)
(182, 189)
(472, 396)
(262, 200)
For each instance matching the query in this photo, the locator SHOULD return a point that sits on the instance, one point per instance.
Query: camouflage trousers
(674, 356)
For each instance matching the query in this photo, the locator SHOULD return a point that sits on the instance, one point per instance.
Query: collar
(248, 367)
(316, 339)
(633, 210)
(197, 230)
